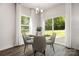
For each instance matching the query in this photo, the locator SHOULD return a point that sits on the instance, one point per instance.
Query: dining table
(31, 38)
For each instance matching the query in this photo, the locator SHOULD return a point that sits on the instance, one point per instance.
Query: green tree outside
(59, 23)
(48, 24)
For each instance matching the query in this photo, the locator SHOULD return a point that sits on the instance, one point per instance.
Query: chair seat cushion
(48, 41)
(29, 41)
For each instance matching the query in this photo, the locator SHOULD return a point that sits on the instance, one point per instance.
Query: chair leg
(24, 49)
(53, 48)
(44, 52)
(34, 53)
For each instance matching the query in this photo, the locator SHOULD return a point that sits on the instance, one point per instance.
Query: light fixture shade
(41, 11)
(37, 10)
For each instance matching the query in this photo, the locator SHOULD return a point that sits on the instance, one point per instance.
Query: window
(56, 25)
(25, 24)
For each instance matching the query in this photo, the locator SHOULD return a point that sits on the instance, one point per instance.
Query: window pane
(59, 23)
(24, 28)
(25, 20)
(48, 24)
(48, 27)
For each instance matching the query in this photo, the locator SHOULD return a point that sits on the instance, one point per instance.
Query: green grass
(59, 33)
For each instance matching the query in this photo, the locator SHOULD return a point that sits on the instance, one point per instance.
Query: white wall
(25, 11)
(58, 10)
(68, 24)
(75, 26)
(34, 20)
(43, 18)
(7, 26)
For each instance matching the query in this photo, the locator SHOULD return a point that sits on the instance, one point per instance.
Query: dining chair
(51, 41)
(39, 44)
(27, 41)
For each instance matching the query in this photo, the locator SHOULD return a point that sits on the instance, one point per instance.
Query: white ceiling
(39, 5)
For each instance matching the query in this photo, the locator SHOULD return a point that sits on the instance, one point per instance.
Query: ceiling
(39, 5)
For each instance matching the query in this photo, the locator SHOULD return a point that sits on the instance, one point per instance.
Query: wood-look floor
(59, 51)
